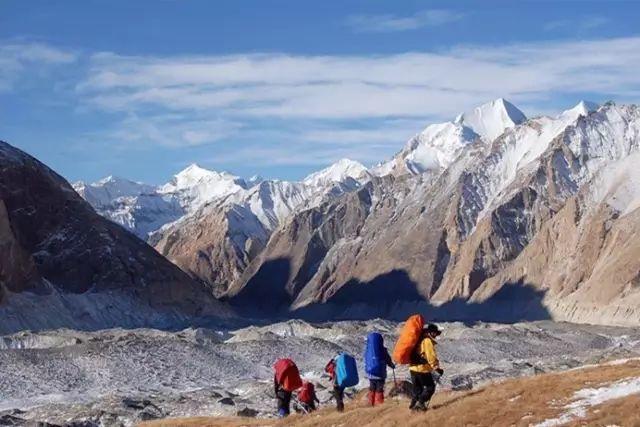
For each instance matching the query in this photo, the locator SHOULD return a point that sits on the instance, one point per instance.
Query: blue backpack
(375, 360)
(346, 371)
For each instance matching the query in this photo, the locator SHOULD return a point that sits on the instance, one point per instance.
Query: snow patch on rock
(618, 185)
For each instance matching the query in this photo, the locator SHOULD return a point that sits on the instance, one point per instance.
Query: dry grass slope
(514, 402)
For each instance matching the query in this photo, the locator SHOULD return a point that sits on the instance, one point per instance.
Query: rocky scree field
(120, 377)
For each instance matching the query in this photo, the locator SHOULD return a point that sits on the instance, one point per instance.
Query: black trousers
(338, 394)
(423, 387)
(283, 399)
(376, 385)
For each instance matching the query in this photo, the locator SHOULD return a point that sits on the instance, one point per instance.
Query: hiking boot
(413, 404)
(378, 397)
(419, 407)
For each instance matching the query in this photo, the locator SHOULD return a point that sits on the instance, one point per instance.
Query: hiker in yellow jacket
(424, 364)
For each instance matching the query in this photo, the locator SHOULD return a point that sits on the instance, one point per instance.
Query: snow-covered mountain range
(143, 208)
(467, 211)
(239, 214)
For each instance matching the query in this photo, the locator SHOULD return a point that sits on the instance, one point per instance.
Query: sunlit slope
(607, 394)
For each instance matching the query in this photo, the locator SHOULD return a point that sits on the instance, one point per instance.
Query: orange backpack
(287, 374)
(409, 337)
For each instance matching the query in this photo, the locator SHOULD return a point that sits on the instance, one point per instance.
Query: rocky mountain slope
(61, 264)
(491, 215)
(528, 225)
(213, 224)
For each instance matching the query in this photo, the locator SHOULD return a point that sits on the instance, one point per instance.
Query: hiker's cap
(432, 328)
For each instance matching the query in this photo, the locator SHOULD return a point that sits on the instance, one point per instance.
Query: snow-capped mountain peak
(106, 180)
(583, 108)
(337, 172)
(438, 145)
(194, 174)
(195, 186)
(490, 120)
(254, 180)
(124, 186)
(106, 190)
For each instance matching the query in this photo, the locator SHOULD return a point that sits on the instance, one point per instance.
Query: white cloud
(300, 109)
(348, 87)
(18, 57)
(392, 23)
(172, 130)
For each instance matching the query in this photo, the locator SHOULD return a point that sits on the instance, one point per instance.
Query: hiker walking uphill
(416, 347)
(307, 397)
(423, 366)
(376, 360)
(343, 373)
(285, 380)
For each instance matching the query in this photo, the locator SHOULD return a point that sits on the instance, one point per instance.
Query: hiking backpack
(287, 374)
(306, 393)
(375, 356)
(346, 371)
(408, 339)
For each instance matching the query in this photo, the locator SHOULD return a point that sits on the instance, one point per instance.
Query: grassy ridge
(513, 402)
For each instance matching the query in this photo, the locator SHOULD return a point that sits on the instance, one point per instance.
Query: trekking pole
(395, 385)
(299, 404)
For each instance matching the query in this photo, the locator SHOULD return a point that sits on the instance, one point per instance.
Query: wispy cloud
(302, 109)
(172, 130)
(16, 57)
(392, 23)
(328, 107)
(350, 87)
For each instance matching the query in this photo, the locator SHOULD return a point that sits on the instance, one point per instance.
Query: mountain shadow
(358, 300)
(265, 294)
(513, 302)
(393, 295)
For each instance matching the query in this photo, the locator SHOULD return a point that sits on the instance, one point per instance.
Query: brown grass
(514, 402)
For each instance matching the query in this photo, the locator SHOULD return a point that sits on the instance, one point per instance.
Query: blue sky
(141, 89)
